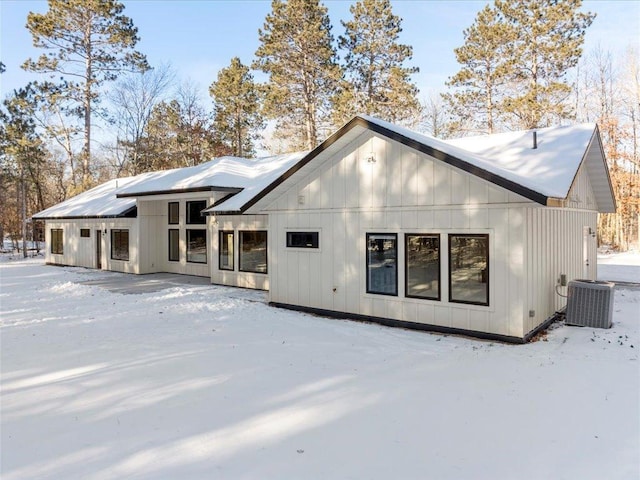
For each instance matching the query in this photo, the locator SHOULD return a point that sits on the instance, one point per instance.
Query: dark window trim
(119, 231)
(315, 242)
(169, 244)
(61, 251)
(187, 213)
(85, 233)
(472, 235)
(206, 256)
(177, 222)
(221, 235)
(395, 235)
(266, 246)
(406, 265)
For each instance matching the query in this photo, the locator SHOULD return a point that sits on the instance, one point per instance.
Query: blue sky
(200, 37)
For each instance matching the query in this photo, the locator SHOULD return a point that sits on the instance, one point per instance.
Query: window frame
(395, 239)
(206, 256)
(222, 234)
(118, 232)
(266, 251)
(188, 219)
(171, 230)
(57, 242)
(169, 212)
(85, 233)
(486, 252)
(315, 241)
(438, 297)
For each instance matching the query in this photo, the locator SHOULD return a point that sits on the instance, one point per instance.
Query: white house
(377, 223)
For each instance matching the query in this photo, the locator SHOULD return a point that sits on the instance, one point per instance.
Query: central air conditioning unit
(590, 303)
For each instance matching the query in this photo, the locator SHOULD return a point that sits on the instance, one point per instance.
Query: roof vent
(535, 140)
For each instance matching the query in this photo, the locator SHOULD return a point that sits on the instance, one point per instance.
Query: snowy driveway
(207, 382)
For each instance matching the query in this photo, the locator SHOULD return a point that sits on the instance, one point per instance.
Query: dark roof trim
(458, 163)
(179, 190)
(409, 142)
(81, 217)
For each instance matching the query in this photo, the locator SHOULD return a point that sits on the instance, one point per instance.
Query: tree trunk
(86, 151)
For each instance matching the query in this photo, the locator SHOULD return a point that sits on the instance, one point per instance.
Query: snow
(548, 170)
(201, 381)
(252, 175)
(100, 201)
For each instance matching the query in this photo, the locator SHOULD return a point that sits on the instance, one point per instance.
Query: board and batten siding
(153, 215)
(236, 278)
(402, 191)
(81, 251)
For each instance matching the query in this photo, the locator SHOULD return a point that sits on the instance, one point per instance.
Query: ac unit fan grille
(590, 304)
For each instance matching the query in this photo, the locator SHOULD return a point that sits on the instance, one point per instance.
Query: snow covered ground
(204, 382)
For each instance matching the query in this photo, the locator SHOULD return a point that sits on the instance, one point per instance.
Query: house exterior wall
(82, 251)
(402, 192)
(235, 224)
(153, 215)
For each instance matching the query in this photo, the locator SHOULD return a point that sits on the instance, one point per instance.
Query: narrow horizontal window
(197, 246)
(194, 215)
(225, 250)
(253, 251)
(303, 239)
(469, 269)
(174, 213)
(422, 257)
(382, 263)
(120, 245)
(85, 233)
(174, 245)
(56, 241)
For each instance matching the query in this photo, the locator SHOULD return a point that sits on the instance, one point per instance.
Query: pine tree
(485, 60)
(549, 40)
(237, 116)
(296, 50)
(377, 82)
(88, 43)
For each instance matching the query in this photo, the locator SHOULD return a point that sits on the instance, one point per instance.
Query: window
(422, 261)
(56, 241)
(303, 239)
(85, 233)
(174, 213)
(253, 251)
(194, 217)
(225, 259)
(197, 246)
(469, 269)
(120, 245)
(174, 245)
(382, 263)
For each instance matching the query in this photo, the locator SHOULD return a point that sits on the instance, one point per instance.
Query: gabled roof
(99, 202)
(231, 174)
(543, 175)
(239, 178)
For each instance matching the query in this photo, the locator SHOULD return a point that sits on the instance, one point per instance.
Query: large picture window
(174, 213)
(174, 245)
(469, 269)
(194, 217)
(120, 245)
(197, 246)
(253, 251)
(422, 257)
(56, 241)
(225, 250)
(382, 263)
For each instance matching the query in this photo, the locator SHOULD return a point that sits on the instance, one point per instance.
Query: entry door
(99, 249)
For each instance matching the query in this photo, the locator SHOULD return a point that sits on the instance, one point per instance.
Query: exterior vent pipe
(535, 140)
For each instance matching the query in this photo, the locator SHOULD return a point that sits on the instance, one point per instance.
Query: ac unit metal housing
(590, 303)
